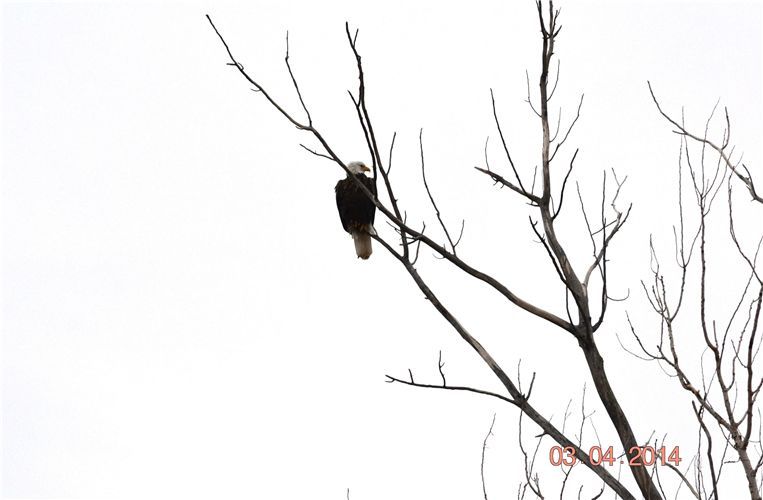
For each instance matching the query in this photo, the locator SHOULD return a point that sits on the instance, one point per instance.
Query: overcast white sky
(182, 314)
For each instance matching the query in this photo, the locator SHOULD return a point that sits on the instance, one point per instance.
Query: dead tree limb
(745, 177)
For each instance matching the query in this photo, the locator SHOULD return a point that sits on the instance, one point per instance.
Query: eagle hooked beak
(364, 168)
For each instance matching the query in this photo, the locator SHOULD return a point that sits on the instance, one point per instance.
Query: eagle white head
(357, 167)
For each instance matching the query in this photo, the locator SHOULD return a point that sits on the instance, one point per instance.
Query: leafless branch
(482, 460)
(564, 186)
(503, 142)
(453, 244)
(569, 129)
(746, 178)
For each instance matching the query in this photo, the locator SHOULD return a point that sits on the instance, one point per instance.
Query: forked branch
(745, 177)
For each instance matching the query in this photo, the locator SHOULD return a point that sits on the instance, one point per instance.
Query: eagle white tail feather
(362, 244)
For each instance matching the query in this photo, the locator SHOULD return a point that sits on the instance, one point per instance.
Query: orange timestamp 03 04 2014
(639, 455)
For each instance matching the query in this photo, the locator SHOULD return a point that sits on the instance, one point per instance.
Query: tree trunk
(618, 418)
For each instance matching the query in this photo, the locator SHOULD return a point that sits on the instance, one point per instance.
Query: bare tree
(587, 299)
(725, 394)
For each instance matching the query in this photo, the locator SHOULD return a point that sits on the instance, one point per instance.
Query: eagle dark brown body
(356, 210)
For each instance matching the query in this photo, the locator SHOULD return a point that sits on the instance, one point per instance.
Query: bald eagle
(356, 210)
